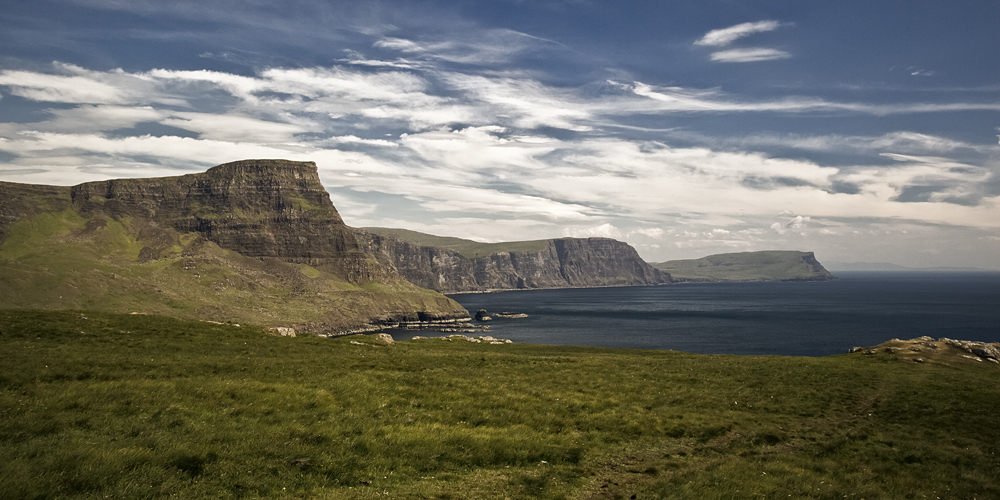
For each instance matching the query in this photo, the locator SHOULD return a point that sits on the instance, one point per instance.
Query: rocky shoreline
(943, 350)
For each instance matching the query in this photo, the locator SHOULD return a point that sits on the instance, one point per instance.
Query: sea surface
(786, 318)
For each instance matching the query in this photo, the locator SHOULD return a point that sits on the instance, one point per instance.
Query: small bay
(784, 318)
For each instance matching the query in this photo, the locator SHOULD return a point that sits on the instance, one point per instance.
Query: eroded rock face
(562, 263)
(259, 208)
(427, 267)
(254, 241)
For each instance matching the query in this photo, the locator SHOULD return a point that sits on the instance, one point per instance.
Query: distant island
(773, 265)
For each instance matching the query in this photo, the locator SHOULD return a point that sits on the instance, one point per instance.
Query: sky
(863, 131)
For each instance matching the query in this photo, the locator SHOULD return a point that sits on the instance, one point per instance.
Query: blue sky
(863, 131)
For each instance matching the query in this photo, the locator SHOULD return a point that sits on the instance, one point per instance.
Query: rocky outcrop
(427, 267)
(942, 351)
(258, 208)
(560, 263)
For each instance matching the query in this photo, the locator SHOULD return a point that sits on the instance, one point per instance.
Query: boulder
(282, 331)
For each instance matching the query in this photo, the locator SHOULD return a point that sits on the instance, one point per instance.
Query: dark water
(787, 318)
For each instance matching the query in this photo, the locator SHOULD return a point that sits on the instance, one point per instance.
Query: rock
(482, 315)
(980, 349)
(986, 351)
(930, 351)
(384, 337)
(264, 221)
(510, 315)
(282, 331)
(485, 339)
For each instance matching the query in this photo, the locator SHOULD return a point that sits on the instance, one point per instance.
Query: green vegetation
(98, 405)
(748, 266)
(59, 260)
(255, 241)
(468, 248)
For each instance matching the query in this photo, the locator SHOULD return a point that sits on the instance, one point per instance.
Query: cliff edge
(472, 266)
(248, 241)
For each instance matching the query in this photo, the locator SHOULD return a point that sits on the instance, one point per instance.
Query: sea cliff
(557, 263)
(254, 240)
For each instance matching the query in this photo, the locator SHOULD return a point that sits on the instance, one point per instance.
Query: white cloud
(725, 36)
(655, 233)
(350, 139)
(235, 128)
(76, 85)
(901, 141)
(400, 45)
(500, 165)
(88, 117)
(481, 46)
(670, 99)
(601, 231)
(755, 54)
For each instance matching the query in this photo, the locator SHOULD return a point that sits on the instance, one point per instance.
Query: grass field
(61, 261)
(98, 405)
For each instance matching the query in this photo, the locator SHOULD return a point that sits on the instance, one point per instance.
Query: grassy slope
(468, 248)
(744, 266)
(97, 405)
(61, 261)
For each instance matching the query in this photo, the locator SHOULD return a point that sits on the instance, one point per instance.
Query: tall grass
(99, 405)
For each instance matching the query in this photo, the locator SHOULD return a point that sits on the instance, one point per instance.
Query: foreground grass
(100, 405)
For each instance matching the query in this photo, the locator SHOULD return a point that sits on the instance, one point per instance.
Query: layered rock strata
(561, 263)
(255, 241)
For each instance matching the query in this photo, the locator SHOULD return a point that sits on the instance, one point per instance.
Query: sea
(783, 318)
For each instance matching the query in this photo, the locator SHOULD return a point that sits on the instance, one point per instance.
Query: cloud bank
(476, 132)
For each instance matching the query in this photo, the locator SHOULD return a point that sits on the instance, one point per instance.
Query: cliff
(749, 266)
(472, 266)
(253, 241)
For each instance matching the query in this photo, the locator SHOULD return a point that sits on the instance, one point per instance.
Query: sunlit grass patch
(137, 406)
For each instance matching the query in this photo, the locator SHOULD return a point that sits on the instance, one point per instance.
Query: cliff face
(558, 264)
(427, 267)
(254, 241)
(258, 208)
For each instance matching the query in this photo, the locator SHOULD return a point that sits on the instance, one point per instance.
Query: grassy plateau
(100, 405)
(468, 248)
(746, 266)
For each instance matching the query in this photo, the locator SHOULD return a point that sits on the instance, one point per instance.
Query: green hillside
(99, 405)
(468, 248)
(62, 261)
(748, 266)
(255, 241)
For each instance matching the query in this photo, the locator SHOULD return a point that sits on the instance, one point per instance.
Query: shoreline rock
(927, 349)
(485, 339)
